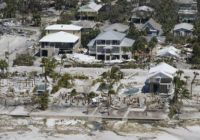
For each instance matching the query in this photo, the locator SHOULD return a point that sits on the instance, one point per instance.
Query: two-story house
(142, 14)
(187, 10)
(89, 11)
(111, 45)
(59, 39)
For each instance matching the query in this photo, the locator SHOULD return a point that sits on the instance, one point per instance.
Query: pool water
(131, 91)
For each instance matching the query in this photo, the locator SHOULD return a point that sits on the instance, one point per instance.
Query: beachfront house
(160, 79)
(60, 39)
(111, 45)
(89, 11)
(187, 10)
(141, 14)
(151, 27)
(183, 29)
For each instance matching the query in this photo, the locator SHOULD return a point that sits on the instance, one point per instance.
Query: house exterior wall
(74, 32)
(182, 32)
(163, 85)
(187, 12)
(56, 48)
(152, 30)
(101, 51)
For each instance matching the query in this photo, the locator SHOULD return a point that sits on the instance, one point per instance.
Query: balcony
(107, 43)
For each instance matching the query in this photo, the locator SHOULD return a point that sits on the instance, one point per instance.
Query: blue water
(131, 91)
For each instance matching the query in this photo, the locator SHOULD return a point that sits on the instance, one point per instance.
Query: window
(107, 42)
(115, 42)
(100, 42)
(100, 49)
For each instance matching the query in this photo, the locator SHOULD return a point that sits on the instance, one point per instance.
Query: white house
(160, 78)
(89, 10)
(60, 38)
(111, 45)
(183, 29)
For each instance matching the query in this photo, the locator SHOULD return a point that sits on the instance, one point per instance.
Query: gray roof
(117, 26)
(85, 23)
(126, 42)
(151, 21)
(185, 1)
(110, 35)
(185, 26)
(91, 43)
(156, 25)
(90, 7)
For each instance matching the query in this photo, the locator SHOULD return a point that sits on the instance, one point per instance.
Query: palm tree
(152, 44)
(178, 85)
(184, 93)
(111, 77)
(49, 66)
(193, 80)
(179, 73)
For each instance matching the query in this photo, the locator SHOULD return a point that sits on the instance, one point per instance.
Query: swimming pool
(131, 91)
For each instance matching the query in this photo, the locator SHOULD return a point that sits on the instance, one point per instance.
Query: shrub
(89, 65)
(80, 77)
(24, 60)
(43, 101)
(55, 89)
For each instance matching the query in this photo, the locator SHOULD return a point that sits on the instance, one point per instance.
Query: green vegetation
(66, 17)
(43, 101)
(108, 80)
(193, 80)
(165, 13)
(83, 77)
(49, 65)
(86, 37)
(10, 9)
(64, 81)
(180, 92)
(3, 67)
(195, 60)
(24, 60)
(36, 19)
(89, 65)
(73, 93)
(119, 12)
